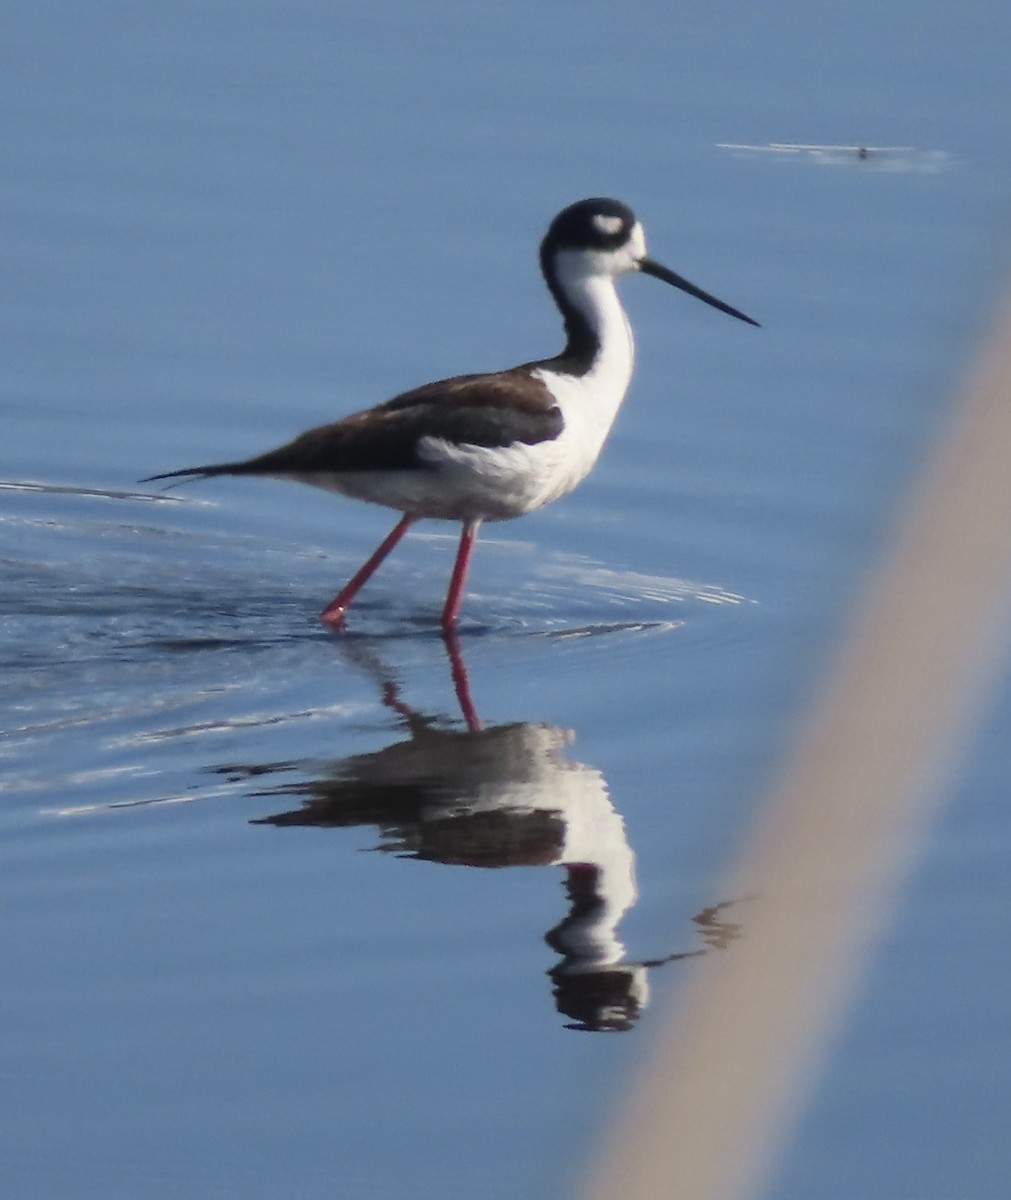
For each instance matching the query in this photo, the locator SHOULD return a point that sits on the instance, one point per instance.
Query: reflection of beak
(659, 271)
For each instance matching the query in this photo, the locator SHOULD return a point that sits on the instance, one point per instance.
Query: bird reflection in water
(502, 796)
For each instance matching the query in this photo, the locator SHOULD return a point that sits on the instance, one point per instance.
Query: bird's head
(603, 238)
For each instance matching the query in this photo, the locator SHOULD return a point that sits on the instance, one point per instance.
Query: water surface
(289, 912)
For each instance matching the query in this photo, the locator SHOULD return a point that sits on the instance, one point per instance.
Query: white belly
(467, 482)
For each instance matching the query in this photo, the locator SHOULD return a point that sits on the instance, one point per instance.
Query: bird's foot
(333, 615)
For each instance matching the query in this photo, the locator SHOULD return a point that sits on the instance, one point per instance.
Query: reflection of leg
(334, 612)
(391, 699)
(460, 681)
(717, 932)
(459, 577)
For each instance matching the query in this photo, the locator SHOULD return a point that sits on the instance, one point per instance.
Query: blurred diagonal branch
(912, 677)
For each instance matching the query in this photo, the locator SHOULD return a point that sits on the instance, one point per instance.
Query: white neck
(596, 298)
(606, 354)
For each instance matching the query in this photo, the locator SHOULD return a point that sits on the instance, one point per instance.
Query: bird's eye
(608, 226)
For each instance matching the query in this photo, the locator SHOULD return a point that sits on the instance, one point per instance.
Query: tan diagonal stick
(716, 1106)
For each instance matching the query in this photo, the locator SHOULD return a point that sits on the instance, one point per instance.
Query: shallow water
(285, 911)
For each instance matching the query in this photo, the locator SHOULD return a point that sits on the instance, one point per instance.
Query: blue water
(223, 223)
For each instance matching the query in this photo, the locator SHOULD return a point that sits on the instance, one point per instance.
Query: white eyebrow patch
(608, 225)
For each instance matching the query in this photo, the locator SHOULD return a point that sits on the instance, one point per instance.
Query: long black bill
(659, 271)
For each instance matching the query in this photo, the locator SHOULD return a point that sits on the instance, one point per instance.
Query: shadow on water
(492, 796)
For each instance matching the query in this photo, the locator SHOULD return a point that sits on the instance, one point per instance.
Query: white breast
(499, 483)
(590, 402)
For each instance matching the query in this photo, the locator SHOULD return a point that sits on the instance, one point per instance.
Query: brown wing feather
(474, 410)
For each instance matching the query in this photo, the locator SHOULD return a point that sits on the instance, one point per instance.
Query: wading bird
(489, 447)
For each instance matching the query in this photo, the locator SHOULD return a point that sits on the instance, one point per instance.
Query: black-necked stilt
(489, 447)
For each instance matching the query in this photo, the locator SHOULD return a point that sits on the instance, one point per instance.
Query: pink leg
(334, 612)
(459, 576)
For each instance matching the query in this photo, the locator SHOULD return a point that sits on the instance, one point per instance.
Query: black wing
(473, 410)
